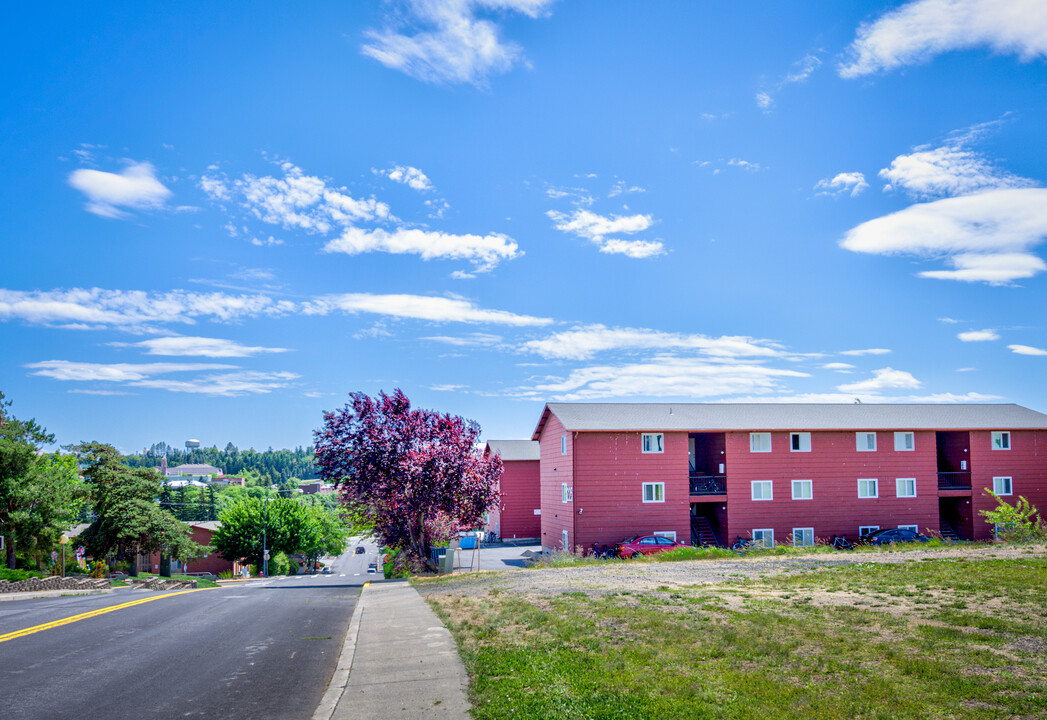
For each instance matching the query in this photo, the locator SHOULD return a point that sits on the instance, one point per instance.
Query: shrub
(226, 574)
(98, 569)
(16, 575)
(1020, 522)
(278, 564)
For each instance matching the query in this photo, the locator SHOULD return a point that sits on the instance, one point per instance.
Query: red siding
(1025, 463)
(556, 469)
(609, 473)
(520, 497)
(213, 563)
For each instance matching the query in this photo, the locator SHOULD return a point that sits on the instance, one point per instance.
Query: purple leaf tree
(414, 476)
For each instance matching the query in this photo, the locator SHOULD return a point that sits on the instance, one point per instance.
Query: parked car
(372, 568)
(326, 571)
(646, 545)
(359, 550)
(892, 535)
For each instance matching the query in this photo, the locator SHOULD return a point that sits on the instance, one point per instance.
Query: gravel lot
(615, 576)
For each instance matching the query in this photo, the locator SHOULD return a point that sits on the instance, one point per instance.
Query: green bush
(292, 567)
(226, 575)
(16, 575)
(1020, 522)
(278, 564)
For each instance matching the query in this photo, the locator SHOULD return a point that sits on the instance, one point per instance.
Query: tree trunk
(11, 552)
(165, 565)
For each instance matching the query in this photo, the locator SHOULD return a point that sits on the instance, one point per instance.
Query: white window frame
(566, 493)
(762, 484)
(914, 528)
(900, 442)
(898, 487)
(996, 487)
(810, 489)
(866, 529)
(756, 442)
(860, 437)
(806, 536)
(658, 439)
(804, 443)
(671, 534)
(563, 444)
(766, 534)
(875, 487)
(564, 541)
(657, 492)
(1001, 439)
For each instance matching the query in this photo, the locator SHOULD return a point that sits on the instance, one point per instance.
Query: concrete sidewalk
(398, 660)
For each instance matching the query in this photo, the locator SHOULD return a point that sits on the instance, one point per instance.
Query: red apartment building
(781, 473)
(519, 513)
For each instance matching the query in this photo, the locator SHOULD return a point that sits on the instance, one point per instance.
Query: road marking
(84, 616)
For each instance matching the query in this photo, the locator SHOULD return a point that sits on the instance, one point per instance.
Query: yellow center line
(93, 613)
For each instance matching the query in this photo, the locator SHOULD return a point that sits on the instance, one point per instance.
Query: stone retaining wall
(160, 583)
(53, 583)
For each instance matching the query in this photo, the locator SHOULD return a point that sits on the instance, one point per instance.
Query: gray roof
(697, 417)
(194, 469)
(515, 449)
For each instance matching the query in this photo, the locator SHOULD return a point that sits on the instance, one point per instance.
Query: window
(866, 441)
(868, 488)
(763, 490)
(904, 441)
(803, 489)
(670, 534)
(653, 442)
(653, 492)
(1001, 485)
(912, 528)
(905, 487)
(764, 537)
(1001, 440)
(803, 537)
(866, 529)
(568, 492)
(563, 444)
(759, 442)
(563, 539)
(800, 442)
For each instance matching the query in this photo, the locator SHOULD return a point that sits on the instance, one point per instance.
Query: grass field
(939, 638)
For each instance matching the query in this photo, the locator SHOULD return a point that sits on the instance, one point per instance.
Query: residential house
(792, 473)
(519, 513)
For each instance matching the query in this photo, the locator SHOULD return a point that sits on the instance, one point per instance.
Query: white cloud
(198, 347)
(484, 251)
(764, 101)
(620, 188)
(866, 351)
(801, 70)
(883, 379)
(1026, 350)
(744, 164)
(407, 175)
(224, 384)
(583, 342)
(662, 377)
(985, 237)
(110, 194)
(452, 44)
(470, 340)
(838, 366)
(596, 228)
(116, 372)
(948, 171)
(918, 31)
(978, 335)
(79, 308)
(852, 182)
(847, 398)
(418, 307)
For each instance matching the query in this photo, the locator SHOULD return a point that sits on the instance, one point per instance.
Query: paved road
(261, 649)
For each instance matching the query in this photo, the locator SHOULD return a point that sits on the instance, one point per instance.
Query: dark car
(326, 571)
(646, 545)
(892, 535)
(360, 550)
(372, 568)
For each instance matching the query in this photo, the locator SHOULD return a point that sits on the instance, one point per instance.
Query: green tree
(325, 533)
(240, 536)
(128, 521)
(1020, 522)
(38, 494)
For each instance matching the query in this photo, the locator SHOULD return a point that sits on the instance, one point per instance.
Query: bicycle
(840, 542)
(743, 544)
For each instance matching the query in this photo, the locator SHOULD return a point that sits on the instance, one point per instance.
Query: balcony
(708, 484)
(954, 480)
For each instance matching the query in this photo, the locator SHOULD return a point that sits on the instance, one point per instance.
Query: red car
(646, 545)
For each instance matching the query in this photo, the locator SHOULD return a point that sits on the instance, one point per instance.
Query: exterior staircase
(702, 532)
(947, 531)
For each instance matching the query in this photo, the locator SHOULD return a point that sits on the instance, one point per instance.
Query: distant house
(315, 487)
(781, 473)
(227, 480)
(202, 533)
(199, 472)
(518, 514)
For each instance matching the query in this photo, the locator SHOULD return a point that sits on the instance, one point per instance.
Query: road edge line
(340, 680)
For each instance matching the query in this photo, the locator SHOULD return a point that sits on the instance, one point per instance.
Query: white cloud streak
(978, 336)
(412, 177)
(111, 194)
(453, 44)
(801, 70)
(198, 347)
(418, 307)
(116, 372)
(866, 351)
(921, 30)
(985, 237)
(583, 342)
(596, 228)
(484, 251)
(883, 379)
(852, 182)
(1027, 350)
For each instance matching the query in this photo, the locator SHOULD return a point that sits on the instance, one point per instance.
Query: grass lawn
(941, 638)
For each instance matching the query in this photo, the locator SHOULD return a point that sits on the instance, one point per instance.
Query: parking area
(507, 555)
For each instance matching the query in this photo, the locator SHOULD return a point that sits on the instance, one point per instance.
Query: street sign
(266, 556)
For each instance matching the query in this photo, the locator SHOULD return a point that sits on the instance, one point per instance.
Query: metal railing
(708, 484)
(954, 480)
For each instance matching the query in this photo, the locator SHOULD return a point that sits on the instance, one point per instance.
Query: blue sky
(220, 219)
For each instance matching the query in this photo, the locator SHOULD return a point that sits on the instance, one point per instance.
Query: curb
(340, 679)
(39, 594)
